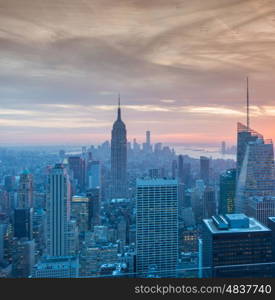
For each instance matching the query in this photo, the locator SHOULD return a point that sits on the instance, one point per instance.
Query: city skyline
(181, 73)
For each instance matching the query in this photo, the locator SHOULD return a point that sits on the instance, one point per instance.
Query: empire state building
(119, 157)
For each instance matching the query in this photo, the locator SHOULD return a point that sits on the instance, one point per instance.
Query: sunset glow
(181, 73)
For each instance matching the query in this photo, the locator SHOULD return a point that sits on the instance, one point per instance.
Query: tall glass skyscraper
(157, 227)
(58, 211)
(227, 192)
(119, 158)
(256, 177)
(244, 136)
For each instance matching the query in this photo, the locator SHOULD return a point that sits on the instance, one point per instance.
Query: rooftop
(156, 181)
(57, 263)
(262, 199)
(234, 223)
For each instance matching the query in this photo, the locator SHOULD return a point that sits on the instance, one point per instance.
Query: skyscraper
(223, 148)
(204, 169)
(261, 208)
(256, 177)
(147, 147)
(2, 241)
(77, 165)
(157, 226)
(209, 202)
(80, 212)
(234, 245)
(94, 175)
(23, 223)
(187, 178)
(180, 168)
(227, 192)
(94, 205)
(25, 191)
(23, 257)
(119, 157)
(174, 169)
(58, 211)
(244, 136)
(157, 173)
(148, 138)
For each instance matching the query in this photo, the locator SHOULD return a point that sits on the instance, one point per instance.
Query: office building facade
(157, 227)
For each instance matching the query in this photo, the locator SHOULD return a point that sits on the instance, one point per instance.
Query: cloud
(174, 61)
(168, 101)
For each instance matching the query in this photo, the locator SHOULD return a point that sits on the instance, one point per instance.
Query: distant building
(157, 173)
(25, 191)
(23, 223)
(94, 175)
(197, 198)
(73, 238)
(92, 257)
(94, 207)
(189, 239)
(187, 178)
(158, 148)
(136, 146)
(9, 183)
(23, 257)
(209, 202)
(77, 165)
(180, 169)
(62, 155)
(174, 169)
(223, 148)
(148, 138)
(227, 192)
(205, 169)
(119, 158)
(261, 208)
(56, 267)
(188, 217)
(101, 234)
(80, 212)
(40, 229)
(2, 241)
(234, 245)
(157, 226)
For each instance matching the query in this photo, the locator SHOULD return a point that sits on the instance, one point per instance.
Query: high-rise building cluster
(130, 209)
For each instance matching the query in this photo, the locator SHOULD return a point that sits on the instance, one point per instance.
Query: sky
(179, 65)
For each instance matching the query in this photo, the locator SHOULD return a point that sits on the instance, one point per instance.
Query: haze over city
(137, 143)
(180, 67)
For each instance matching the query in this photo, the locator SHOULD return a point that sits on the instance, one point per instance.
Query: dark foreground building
(234, 245)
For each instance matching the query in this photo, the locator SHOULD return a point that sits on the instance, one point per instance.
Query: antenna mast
(247, 103)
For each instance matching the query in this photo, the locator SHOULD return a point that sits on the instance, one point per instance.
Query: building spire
(247, 103)
(119, 110)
